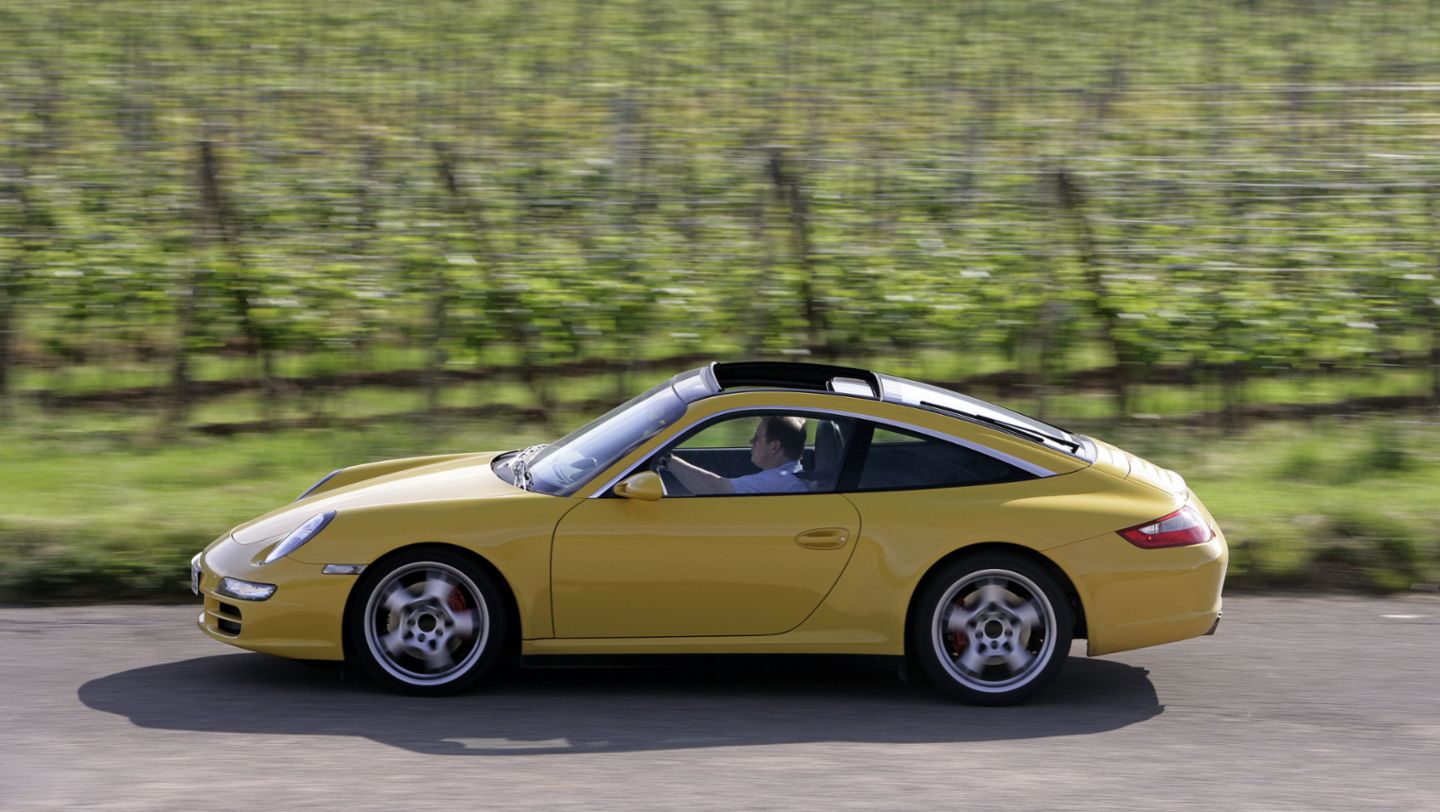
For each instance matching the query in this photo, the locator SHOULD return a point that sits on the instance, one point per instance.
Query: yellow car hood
(468, 477)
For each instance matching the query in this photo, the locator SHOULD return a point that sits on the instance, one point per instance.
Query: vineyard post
(1051, 314)
(31, 226)
(530, 196)
(438, 312)
(45, 109)
(367, 192)
(755, 311)
(1072, 203)
(504, 304)
(1431, 304)
(439, 282)
(1227, 371)
(632, 147)
(790, 192)
(186, 303)
(970, 151)
(12, 272)
(218, 223)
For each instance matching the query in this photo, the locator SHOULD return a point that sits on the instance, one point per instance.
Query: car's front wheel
(427, 622)
(992, 629)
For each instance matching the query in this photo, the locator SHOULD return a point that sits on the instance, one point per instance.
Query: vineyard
(281, 218)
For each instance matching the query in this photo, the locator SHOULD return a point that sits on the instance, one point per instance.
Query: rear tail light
(1178, 529)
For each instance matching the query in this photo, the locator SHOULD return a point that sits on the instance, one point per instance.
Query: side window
(768, 453)
(900, 460)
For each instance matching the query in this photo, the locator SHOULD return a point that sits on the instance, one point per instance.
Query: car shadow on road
(700, 703)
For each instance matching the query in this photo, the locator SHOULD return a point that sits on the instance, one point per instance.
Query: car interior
(820, 462)
(893, 460)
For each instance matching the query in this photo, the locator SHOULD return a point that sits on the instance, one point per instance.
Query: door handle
(824, 538)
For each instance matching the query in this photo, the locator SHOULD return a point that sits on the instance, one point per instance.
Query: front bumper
(304, 619)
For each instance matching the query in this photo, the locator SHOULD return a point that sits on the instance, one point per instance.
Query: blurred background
(243, 244)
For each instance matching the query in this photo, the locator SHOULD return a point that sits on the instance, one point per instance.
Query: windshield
(566, 464)
(919, 394)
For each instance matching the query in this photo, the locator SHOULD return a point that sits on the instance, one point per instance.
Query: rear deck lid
(1122, 463)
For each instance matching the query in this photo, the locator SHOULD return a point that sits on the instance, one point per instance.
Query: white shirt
(780, 479)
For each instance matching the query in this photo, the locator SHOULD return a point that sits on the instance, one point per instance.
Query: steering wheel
(660, 464)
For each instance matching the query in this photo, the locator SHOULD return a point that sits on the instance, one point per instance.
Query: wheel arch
(512, 622)
(1029, 553)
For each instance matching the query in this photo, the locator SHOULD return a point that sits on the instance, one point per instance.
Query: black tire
(991, 628)
(427, 622)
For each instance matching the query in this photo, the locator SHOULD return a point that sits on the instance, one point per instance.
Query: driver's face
(764, 452)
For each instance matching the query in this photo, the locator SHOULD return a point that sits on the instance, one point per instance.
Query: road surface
(1298, 703)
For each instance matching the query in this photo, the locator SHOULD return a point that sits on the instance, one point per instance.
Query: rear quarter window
(900, 460)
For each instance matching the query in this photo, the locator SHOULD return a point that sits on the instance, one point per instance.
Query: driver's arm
(697, 479)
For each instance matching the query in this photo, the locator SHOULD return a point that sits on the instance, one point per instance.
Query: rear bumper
(303, 619)
(1135, 598)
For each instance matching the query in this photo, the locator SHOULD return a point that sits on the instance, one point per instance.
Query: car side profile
(735, 508)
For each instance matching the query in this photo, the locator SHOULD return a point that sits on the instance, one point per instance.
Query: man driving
(775, 449)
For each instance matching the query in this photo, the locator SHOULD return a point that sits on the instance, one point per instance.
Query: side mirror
(644, 486)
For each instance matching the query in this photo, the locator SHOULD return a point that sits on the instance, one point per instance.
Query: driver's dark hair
(788, 431)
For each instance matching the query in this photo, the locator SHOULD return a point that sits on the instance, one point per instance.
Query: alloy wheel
(426, 623)
(994, 630)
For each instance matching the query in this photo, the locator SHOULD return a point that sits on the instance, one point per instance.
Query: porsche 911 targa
(735, 508)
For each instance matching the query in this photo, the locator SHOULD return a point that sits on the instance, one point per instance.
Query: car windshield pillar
(567, 464)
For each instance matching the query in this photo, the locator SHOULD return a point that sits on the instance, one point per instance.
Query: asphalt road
(1313, 703)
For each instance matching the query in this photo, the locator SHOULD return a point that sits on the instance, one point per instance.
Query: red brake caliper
(958, 638)
(457, 600)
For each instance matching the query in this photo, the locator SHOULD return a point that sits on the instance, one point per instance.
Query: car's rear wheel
(992, 629)
(427, 622)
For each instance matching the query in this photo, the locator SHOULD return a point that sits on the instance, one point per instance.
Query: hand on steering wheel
(673, 486)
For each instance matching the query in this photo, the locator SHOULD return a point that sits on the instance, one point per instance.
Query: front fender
(513, 534)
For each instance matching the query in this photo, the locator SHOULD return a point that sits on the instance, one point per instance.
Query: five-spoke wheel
(427, 622)
(992, 629)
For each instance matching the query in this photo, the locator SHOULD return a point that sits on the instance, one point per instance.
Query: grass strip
(1335, 503)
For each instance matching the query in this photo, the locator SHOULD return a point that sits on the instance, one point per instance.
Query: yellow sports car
(739, 507)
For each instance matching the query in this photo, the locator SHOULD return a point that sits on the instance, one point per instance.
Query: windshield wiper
(1005, 425)
(520, 467)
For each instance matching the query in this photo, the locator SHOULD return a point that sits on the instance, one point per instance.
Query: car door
(686, 566)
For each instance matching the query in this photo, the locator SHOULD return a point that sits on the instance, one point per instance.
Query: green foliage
(1242, 203)
(1303, 462)
(1365, 550)
(1383, 450)
(1301, 508)
(53, 564)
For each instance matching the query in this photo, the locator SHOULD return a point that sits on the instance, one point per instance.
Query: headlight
(309, 530)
